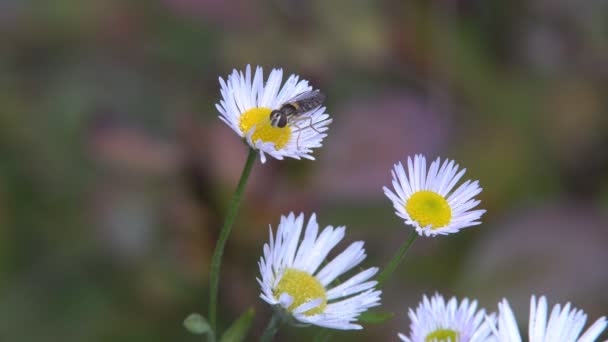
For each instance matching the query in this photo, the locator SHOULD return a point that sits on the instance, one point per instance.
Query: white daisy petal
(285, 300)
(326, 241)
(427, 200)
(306, 246)
(346, 288)
(564, 324)
(538, 318)
(349, 258)
(290, 275)
(246, 105)
(594, 331)
(308, 306)
(435, 319)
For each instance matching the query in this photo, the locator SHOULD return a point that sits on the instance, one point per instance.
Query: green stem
(397, 259)
(216, 262)
(272, 328)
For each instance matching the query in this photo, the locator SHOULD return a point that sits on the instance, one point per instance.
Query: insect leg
(310, 124)
(299, 130)
(294, 122)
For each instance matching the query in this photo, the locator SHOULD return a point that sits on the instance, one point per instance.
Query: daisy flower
(428, 202)
(434, 320)
(564, 324)
(246, 105)
(300, 282)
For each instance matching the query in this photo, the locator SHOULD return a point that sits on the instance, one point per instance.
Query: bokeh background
(115, 171)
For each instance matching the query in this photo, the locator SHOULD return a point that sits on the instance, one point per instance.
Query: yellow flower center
(302, 287)
(442, 335)
(429, 208)
(260, 118)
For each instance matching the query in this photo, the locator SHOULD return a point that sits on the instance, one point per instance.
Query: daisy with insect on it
(434, 320)
(430, 201)
(564, 324)
(300, 282)
(279, 120)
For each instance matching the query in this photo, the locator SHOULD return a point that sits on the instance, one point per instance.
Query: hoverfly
(293, 110)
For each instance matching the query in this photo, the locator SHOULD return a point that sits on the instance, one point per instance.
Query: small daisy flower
(426, 200)
(564, 324)
(436, 321)
(246, 106)
(301, 284)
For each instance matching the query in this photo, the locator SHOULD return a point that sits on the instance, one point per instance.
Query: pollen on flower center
(302, 287)
(442, 335)
(429, 208)
(259, 117)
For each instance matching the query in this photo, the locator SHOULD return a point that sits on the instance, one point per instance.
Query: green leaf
(197, 324)
(238, 330)
(372, 317)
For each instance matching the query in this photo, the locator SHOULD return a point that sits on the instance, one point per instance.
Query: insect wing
(307, 101)
(307, 95)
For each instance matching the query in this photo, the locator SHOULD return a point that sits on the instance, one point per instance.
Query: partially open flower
(301, 283)
(563, 325)
(437, 321)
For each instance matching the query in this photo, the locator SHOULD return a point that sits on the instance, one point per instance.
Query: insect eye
(282, 121)
(274, 117)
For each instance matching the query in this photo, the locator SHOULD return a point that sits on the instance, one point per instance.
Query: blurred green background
(115, 171)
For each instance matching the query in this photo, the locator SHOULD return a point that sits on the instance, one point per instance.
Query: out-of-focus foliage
(115, 171)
